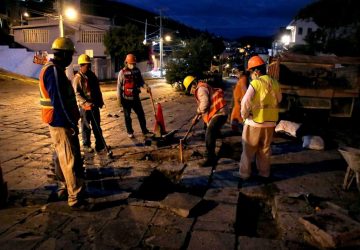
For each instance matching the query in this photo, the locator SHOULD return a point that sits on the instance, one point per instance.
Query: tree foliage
(339, 26)
(193, 59)
(120, 41)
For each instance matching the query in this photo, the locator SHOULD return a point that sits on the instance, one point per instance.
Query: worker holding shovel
(212, 108)
(89, 99)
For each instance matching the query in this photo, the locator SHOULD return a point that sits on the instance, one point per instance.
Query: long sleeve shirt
(87, 89)
(66, 113)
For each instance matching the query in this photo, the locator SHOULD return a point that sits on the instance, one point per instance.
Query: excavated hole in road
(254, 219)
(157, 186)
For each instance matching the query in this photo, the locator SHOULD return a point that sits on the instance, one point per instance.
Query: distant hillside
(256, 41)
(123, 13)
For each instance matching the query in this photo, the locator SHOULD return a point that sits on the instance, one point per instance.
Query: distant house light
(285, 39)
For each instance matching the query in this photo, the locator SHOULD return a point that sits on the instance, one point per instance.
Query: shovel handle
(153, 104)
(191, 127)
(181, 151)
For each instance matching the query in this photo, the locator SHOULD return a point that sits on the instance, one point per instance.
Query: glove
(88, 106)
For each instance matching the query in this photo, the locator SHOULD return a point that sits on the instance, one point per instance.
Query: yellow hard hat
(63, 43)
(130, 58)
(83, 59)
(187, 81)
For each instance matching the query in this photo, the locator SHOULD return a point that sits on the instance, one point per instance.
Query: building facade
(299, 29)
(87, 33)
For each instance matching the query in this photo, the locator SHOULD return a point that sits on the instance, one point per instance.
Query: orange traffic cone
(159, 128)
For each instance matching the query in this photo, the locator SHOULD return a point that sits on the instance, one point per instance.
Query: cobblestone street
(145, 198)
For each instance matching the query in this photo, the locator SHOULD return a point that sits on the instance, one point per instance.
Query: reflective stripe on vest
(265, 105)
(217, 100)
(47, 109)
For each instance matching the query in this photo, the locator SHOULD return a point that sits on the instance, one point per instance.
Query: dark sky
(228, 18)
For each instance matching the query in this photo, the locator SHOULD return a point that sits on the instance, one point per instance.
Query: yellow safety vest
(265, 104)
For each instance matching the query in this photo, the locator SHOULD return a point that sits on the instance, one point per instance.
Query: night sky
(228, 18)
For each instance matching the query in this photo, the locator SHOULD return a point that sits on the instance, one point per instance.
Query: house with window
(87, 33)
(299, 29)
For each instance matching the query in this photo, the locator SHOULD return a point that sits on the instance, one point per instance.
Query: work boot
(99, 148)
(148, 134)
(62, 195)
(88, 149)
(82, 205)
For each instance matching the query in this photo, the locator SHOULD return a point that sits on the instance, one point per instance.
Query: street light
(285, 39)
(70, 13)
(24, 14)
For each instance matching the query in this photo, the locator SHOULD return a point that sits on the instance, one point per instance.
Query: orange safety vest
(217, 100)
(47, 109)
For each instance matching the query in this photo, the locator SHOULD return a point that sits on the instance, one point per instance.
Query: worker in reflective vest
(213, 109)
(60, 112)
(89, 99)
(236, 120)
(259, 109)
(128, 93)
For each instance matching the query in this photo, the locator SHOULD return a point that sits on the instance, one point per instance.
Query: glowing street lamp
(168, 38)
(24, 14)
(71, 14)
(285, 39)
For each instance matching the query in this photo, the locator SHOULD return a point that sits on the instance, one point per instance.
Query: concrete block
(249, 243)
(223, 195)
(211, 240)
(332, 229)
(180, 203)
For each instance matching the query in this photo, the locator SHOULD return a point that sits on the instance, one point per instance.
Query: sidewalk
(144, 198)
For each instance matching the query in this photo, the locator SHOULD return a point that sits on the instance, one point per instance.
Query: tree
(120, 41)
(194, 59)
(339, 26)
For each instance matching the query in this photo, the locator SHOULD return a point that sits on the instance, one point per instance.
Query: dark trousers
(91, 117)
(135, 105)
(212, 133)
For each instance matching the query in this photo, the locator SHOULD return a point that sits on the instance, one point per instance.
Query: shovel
(183, 140)
(109, 152)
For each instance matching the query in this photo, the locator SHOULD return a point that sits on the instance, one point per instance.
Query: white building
(87, 33)
(299, 29)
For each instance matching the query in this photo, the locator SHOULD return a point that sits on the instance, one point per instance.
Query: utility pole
(61, 20)
(161, 47)
(145, 36)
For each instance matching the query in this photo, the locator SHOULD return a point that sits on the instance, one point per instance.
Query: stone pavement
(145, 199)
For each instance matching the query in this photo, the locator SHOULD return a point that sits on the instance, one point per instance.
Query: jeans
(212, 133)
(94, 119)
(138, 109)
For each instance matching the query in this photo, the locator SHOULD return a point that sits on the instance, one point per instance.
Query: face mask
(131, 66)
(192, 90)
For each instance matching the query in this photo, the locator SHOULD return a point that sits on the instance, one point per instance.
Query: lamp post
(69, 12)
(161, 47)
